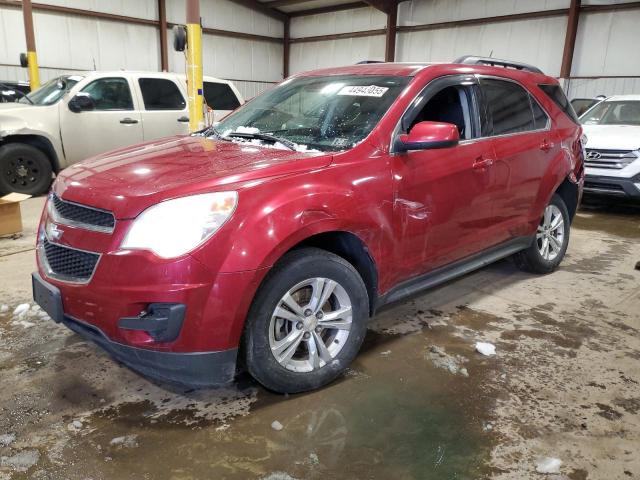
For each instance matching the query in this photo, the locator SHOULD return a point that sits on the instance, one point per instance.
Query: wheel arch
(40, 142)
(569, 191)
(351, 248)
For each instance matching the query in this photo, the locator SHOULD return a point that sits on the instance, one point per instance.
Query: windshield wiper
(13, 89)
(211, 131)
(267, 137)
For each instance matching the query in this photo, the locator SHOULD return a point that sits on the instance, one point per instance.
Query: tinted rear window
(555, 93)
(509, 107)
(161, 94)
(219, 96)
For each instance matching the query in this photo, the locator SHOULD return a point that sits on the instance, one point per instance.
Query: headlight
(175, 227)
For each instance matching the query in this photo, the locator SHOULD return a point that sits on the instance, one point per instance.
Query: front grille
(67, 263)
(81, 216)
(610, 159)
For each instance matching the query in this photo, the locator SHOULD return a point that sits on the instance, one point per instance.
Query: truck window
(219, 96)
(161, 94)
(110, 94)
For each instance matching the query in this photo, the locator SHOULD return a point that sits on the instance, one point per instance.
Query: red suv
(269, 240)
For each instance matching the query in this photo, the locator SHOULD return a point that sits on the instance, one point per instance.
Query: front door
(443, 199)
(114, 122)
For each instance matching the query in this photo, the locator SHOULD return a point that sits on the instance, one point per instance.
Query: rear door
(164, 108)
(524, 146)
(444, 197)
(220, 99)
(114, 123)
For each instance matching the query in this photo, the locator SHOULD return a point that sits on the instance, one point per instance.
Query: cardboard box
(10, 215)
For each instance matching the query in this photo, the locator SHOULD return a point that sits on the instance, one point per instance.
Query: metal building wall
(312, 55)
(253, 65)
(68, 43)
(605, 45)
(606, 59)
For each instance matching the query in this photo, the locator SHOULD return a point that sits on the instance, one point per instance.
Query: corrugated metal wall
(605, 43)
(67, 43)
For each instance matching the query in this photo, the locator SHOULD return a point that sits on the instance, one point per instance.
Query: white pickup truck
(73, 117)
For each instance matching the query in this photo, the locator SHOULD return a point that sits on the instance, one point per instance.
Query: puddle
(618, 220)
(394, 415)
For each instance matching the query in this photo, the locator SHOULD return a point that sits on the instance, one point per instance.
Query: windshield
(613, 113)
(52, 91)
(321, 113)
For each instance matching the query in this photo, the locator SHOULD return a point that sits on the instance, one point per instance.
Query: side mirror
(82, 102)
(428, 135)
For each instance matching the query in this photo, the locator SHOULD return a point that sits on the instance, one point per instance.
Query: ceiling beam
(385, 6)
(284, 3)
(329, 9)
(262, 8)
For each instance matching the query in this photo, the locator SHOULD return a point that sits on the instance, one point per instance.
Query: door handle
(183, 119)
(546, 145)
(482, 163)
(128, 121)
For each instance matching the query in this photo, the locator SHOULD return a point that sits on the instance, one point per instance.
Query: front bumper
(627, 188)
(193, 369)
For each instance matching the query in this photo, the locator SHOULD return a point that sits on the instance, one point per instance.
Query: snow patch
(486, 349)
(548, 465)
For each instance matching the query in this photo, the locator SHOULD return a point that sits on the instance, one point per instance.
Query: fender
(270, 221)
(558, 170)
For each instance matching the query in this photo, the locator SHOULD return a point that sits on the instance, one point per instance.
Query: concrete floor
(418, 403)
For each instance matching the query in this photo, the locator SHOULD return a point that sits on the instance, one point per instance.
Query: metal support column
(194, 66)
(32, 58)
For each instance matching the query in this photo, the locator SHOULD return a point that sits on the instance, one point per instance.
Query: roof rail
(363, 62)
(496, 62)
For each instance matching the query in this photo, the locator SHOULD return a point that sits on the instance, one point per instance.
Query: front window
(321, 113)
(52, 91)
(613, 113)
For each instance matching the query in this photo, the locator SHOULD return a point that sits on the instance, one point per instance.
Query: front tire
(551, 240)
(307, 322)
(24, 169)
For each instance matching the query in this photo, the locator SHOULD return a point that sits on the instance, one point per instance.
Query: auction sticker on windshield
(362, 91)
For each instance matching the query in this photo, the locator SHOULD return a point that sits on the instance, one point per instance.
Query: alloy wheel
(550, 234)
(310, 325)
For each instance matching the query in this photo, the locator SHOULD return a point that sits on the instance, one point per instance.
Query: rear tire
(551, 240)
(24, 169)
(307, 322)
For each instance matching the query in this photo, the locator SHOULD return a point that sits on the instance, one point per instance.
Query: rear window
(161, 94)
(509, 107)
(219, 96)
(555, 93)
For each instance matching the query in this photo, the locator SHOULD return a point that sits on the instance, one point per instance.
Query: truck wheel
(24, 169)
(307, 322)
(551, 242)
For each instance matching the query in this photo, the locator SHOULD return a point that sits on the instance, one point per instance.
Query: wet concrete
(418, 403)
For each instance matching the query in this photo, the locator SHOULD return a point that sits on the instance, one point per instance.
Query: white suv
(612, 128)
(73, 117)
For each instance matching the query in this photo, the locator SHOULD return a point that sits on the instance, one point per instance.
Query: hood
(11, 107)
(129, 180)
(613, 137)
(25, 119)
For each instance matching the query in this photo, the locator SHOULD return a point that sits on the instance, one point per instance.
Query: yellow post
(34, 75)
(194, 66)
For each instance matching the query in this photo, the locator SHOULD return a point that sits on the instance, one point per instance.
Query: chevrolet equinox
(267, 241)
